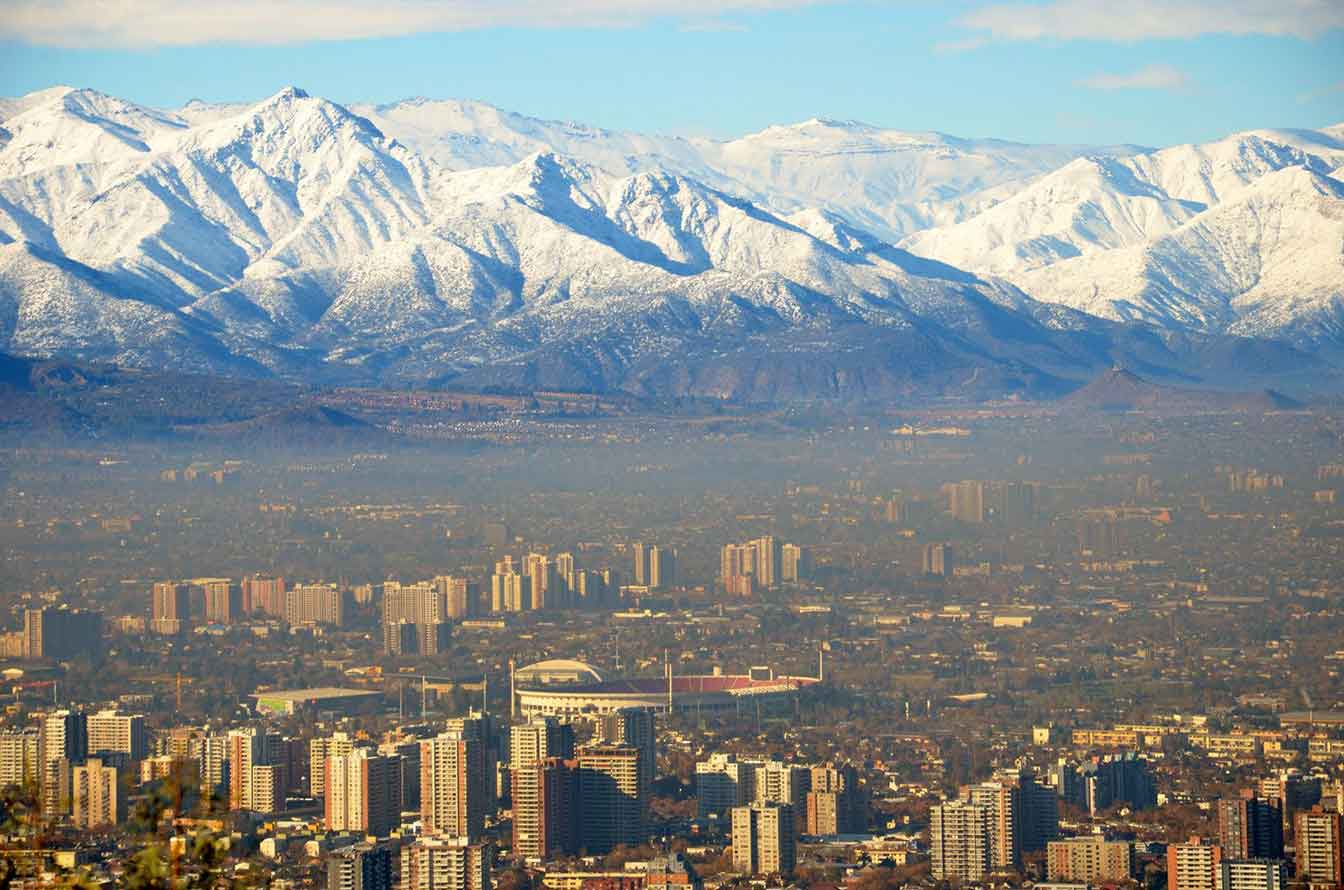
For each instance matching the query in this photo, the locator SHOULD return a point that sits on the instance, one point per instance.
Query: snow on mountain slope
(886, 181)
(1098, 204)
(297, 236)
(1267, 261)
(1089, 204)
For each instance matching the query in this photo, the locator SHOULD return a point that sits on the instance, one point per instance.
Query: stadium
(564, 688)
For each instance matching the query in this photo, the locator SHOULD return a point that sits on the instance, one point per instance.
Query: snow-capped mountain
(1236, 236)
(453, 242)
(1268, 261)
(889, 182)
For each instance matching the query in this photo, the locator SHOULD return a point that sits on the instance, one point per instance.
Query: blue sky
(1154, 72)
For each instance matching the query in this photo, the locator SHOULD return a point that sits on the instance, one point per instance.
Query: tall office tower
(1091, 859)
(959, 841)
(446, 863)
(264, 594)
(783, 783)
(546, 821)
(452, 784)
(62, 633)
(458, 597)
(314, 604)
(610, 792)
(1038, 810)
(1118, 778)
(497, 535)
(662, 568)
(1320, 847)
(768, 561)
(835, 803)
(640, 552)
(363, 792)
(637, 728)
(510, 592)
(1249, 828)
(966, 501)
(1003, 800)
(361, 867)
(541, 738)
(937, 560)
(1253, 874)
(170, 609)
(791, 566)
(113, 732)
(541, 573)
(723, 782)
(566, 572)
(20, 756)
(764, 838)
(1194, 865)
(93, 789)
(223, 599)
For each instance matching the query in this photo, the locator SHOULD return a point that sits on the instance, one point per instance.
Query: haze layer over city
(646, 446)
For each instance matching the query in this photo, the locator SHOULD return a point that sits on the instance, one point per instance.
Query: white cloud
(1153, 19)
(150, 23)
(1151, 77)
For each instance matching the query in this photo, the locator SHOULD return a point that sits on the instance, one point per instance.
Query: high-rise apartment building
(362, 792)
(95, 796)
(113, 732)
(783, 783)
(257, 780)
(1195, 865)
(765, 838)
(637, 728)
(1003, 801)
(937, 560)
(314, 604)
(510, 591)
(446, 863)
(966, 501)
(546, 808)
(611, 796)
(723, 782)
(170, 608)
(1118, 779)
(452, 784)
(540, 738)
(639, 551)
(338, 744)
(361, 867)
(61, 633)
(459, 597)
(662, 568)
(1320, 846)
(1253, 874)
(835, 803)
(1090, 860)
(793, 563)
(264, 594)
(20, 756)
(1250, 828)
(222, 598)
(959, 841)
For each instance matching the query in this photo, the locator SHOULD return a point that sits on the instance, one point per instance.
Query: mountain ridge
(301, 238)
